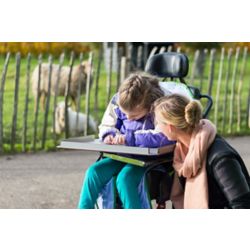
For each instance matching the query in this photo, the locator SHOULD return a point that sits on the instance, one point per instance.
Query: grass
(244, 130)
(102, 96)
(9, 103)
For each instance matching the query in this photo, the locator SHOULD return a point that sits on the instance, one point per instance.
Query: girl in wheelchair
(127, 120)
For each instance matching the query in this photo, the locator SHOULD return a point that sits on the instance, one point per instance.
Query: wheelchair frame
(177, 65)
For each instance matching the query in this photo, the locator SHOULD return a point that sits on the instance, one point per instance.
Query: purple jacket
(140, 133)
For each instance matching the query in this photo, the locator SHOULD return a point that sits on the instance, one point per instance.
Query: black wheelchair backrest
(169, 64)
(175, 65)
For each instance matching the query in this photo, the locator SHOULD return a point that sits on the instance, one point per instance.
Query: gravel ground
(53, 180)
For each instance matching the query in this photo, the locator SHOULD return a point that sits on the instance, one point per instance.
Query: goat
(74, 126)
(78, 77)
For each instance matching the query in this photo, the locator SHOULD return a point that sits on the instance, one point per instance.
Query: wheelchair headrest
(169, 64)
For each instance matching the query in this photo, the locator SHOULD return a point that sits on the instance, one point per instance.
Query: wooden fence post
(96, 104)
(79, 91)
(4, 73)
(15, 109)
(152, 52)
(162, 49)
(248, 109)
(37, 102)
(88, 94)
(203, 56)
(217, 100)
(228, 70)
(56, 94)
(67, 93)
(123, 68)
(45, 124)
(26, 108)
(145, 54)
(178, 49)
(231, 113)
(139, 57)
(243, 66)
(211, 72)
(118, 77)
(196, 56)
(130, 66)
(109, 78)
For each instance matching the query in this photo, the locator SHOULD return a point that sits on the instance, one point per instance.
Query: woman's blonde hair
(139, 89)
(179, 111)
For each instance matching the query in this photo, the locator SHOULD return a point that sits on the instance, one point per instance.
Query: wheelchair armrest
(209, 104)
(197, 95)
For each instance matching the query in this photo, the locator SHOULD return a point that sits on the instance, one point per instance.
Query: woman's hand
(119, 139)
(108, 139)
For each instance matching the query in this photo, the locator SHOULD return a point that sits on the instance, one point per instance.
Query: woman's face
(164, 127)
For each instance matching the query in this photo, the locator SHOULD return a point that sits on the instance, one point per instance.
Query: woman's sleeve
(232, 181)
(110, 123)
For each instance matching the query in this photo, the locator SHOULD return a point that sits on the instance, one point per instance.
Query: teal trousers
(101, 172)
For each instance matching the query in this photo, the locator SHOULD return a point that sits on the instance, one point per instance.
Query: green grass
(8, 106)
(244, 130)
(102, 96)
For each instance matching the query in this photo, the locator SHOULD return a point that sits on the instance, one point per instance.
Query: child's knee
(91, 172)
(127, 178)
(122, 180)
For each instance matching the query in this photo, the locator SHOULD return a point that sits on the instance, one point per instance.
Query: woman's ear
(172, 132)
(171, 128)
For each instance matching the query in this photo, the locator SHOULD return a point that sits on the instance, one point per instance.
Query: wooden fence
(223, 74)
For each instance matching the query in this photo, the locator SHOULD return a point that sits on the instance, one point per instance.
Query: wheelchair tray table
(91, 144)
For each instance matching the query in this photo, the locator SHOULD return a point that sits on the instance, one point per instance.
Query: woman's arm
(230, 178)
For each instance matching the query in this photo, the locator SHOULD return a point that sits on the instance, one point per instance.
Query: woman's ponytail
(193, 113)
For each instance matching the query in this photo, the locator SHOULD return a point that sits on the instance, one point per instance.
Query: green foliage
(199, 45)
(54, 48)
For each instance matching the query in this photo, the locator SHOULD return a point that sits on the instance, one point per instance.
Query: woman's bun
(193, 113)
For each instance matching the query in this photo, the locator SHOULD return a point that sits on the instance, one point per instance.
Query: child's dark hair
(139, 89)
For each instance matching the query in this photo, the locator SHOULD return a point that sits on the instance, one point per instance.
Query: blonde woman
(209, 173)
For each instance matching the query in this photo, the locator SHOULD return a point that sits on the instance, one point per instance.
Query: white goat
(74, 126)
(78, 78)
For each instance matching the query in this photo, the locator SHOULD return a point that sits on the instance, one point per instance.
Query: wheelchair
(159, 178)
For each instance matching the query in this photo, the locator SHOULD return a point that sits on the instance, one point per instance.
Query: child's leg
(95, 179)
(127, 184)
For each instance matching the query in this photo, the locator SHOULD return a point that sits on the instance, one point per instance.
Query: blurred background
(40, 79)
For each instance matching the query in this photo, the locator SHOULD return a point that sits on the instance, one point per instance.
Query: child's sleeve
(151, 138)
(110, 123)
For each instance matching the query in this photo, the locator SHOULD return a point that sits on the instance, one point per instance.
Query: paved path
(53, 180)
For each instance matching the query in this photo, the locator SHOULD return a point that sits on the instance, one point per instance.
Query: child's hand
(108, 139)
(119, 139)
